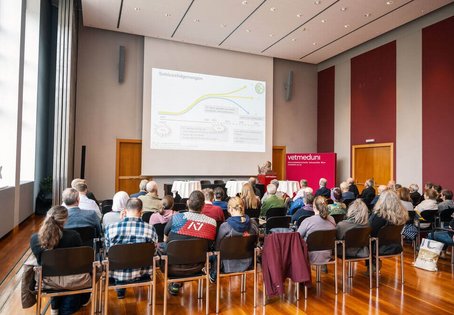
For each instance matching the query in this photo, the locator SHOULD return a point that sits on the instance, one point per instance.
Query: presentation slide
(193, 111)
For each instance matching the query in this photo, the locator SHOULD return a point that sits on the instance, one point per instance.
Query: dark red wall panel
(438, 103)
(373, 96)
(325, 111)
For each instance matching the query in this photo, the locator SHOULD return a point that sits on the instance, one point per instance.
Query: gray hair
(143, 184)
(271, 189)
(358, 212)
(322, 182)
(275, 182)
(70, 196)
(413, 187)
(344, 186)
(152, 186)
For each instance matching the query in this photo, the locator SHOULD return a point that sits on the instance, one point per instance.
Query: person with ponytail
(52, 235)
(321, 220)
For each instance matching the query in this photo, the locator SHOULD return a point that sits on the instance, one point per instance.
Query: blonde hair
(390, 208)
(51, 230)
(237, 204)
(358, 212)
(321, 205)
(250, 200)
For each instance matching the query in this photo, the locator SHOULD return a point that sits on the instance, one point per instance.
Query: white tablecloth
(234, 186)
(289, 187)
(185, 188)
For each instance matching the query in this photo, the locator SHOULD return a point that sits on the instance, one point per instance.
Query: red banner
(312, 167)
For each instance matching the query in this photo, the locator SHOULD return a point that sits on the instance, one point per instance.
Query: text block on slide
(312, 166)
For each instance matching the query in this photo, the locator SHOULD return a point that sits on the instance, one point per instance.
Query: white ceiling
(303, 30)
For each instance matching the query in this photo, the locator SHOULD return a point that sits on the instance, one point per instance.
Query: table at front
(289, 187)
(185, 188)
(234, 187)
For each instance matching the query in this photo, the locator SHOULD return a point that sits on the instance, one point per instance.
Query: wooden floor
(424, 292)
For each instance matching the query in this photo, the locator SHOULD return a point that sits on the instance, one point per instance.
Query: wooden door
(128, 165)
(279, 161)
(372, 161)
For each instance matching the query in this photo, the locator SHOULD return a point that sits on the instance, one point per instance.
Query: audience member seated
(84, 202)
(189, 225)
(298, 203)
(211, 210)
(130, 230)
(357, 216)
(321, 220)
(303, 189)
(237, 224)
(387, 211)
(151, 201)
(272, 200)
(446, 200)
(219, 198)
(429, 203)
(405, 199)
(250, 199)
(380, 189)
(77, 217)
(323, 191)
(438, 189)
(52, 235)
(165, 214)
(352, 187)
(368, 193)
(118, 205)
(346, 193)
(307, 210)
(337, 207)
(142, 189)
(446, 237)
(391, 185)
(253, 182)
(416, 197)
(89, 194)
(280, 194)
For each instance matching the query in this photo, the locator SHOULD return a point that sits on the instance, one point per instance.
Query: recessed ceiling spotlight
(303, 29)
(422, 11)
(248, 30)
(293, 39)
(367, 15)
(196, 20)
(317, 2)
(167, 14)
(223, 25)
(314, 44)
(299, 15)
(343, 9)
(271, 35)
(347, 25)
(323, 21)
(389, 2)
(137, 9)
(244, 2)
(273, 9)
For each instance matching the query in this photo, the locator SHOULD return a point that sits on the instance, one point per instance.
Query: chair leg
(305, 291)
(264, 293)
(199, 289)
(317, 273)
(370, 264)
(335, 269)
(297, 288)
(207, 282)
(255, 280)
(165, 286)
(452, 255)
(377, 263)
(402, 266)
(343, 268)
(218, 285)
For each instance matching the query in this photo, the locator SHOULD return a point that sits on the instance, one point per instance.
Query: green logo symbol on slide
(259, 88)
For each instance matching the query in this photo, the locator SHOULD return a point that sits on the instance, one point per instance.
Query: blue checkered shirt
(129, 231)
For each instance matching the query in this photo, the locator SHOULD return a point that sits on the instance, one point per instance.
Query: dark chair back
(252, 213)
(67, 261)
(218, 182)
(321, 240)
(338, 217)
(446, 215)
(179, 206)
(238, 247)
(390, 234)
(146, 216)
(107, 202)
(357, 237)
(205, 182)
(411, 216)
(226, 214)
(347, 202)
(429, 215)
(87, 234)
(329, 201)
(131, 256)
(106, 208)
(186, 252)
(276, 212)
(277, 222)
(159, 227)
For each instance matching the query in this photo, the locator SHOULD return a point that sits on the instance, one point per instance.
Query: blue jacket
(80, 218)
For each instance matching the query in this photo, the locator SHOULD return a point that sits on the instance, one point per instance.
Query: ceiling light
(196, 20)
(272, 9)
(244, 2)
(167, 14)
(248, 30)
(317, 2)
(303, 29)
(367, 15)
(137, 9)
(293, 39)
(299, 15)
(314, 43)
(223, 25)
(323, 21)
(347, 25)
(271, 35)
(389, 2)
(343, 9)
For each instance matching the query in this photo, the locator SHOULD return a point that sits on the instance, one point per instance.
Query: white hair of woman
(119, 201)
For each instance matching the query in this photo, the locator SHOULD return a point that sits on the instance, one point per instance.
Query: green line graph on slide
(226, 96)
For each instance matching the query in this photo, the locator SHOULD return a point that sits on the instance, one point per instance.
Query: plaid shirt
(129, 231)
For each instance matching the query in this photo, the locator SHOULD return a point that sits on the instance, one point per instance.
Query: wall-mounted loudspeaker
(288, 86)
(121, 65)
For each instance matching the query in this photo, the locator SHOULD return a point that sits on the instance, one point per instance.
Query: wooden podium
(265, 179)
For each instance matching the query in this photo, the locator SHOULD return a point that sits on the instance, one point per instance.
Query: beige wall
(295, 122)
(107, 110)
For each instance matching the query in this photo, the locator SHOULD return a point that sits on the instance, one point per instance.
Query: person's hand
(122, 214)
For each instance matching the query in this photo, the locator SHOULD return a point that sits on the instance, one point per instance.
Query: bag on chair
(429, 251)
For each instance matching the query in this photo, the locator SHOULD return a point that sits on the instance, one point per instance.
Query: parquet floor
(424, 292)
